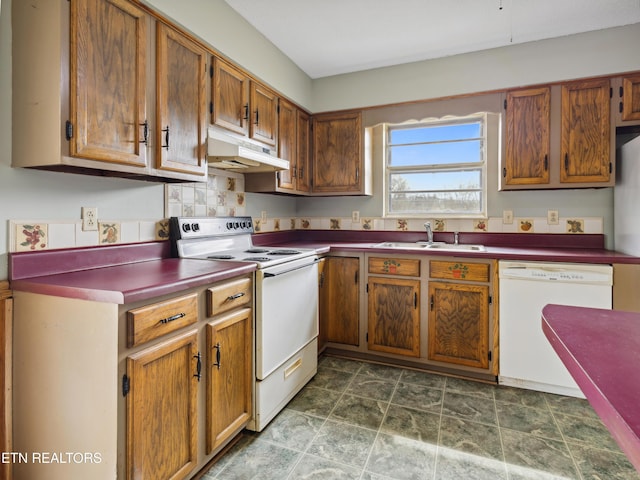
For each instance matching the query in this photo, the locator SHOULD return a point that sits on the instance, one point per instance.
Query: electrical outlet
(507, 217)
(355, 216)
(552, 217)
(89, 219)
(263, 216)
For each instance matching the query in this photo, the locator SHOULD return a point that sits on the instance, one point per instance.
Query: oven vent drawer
(152, 321)
(229, 295)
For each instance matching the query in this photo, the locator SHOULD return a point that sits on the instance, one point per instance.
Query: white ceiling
(329, 37)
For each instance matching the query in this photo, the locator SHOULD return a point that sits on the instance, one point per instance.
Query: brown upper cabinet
(181, 110)
(230, 94)
(528, 114)
(338, 155)
(88, 93)
(243, 105)
(293, 146)
(558, 136)
(626, 106)
(586, 132)
(110, 128)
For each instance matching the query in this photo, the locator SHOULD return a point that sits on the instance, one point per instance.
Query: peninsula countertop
(601, 350)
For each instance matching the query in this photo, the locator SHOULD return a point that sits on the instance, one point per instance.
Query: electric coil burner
(286, 304)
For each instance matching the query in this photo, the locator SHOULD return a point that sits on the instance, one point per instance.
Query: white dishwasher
(527, 359)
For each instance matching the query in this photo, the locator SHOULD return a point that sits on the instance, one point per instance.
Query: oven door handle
(269, 275)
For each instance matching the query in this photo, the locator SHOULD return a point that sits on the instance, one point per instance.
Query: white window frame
(452, 120)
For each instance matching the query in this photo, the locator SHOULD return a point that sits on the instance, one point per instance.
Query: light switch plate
(355, 216)
(507, 217)
(553, 217)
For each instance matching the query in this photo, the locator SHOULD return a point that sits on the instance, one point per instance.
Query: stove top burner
(256, 259)
(284, 252)
(220, 257)
(256, 250)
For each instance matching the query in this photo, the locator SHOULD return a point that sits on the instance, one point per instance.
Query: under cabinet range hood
(229, 151)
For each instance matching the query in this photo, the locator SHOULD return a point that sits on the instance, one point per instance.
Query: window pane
(435, 154)
(429, 181)
(435, 203)
(435, 133)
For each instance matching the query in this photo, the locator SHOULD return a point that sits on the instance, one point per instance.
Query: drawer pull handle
(198, 366)
(217, 347)
(173, 317)
(235, 296)
(293, 367)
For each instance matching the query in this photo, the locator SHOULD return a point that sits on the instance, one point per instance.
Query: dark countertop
(127, 273)
(120, 275)
(601, 349)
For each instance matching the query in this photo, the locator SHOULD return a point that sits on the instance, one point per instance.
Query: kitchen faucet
(427, 225)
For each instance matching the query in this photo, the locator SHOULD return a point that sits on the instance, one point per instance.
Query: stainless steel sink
(417, 245)
(441, 246)
(458, 247)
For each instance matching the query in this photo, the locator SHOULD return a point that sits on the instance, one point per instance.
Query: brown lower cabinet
(162, 409)
(429, 312)
(339, 300)
(459, 324)
(148, 390)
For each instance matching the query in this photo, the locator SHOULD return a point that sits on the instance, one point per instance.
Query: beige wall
(590, 54)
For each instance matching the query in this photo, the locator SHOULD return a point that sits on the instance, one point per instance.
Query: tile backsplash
(223, 195)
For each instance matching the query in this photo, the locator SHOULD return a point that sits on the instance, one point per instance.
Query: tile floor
(357, 420)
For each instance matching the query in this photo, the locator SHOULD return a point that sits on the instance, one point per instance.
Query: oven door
(286, 312)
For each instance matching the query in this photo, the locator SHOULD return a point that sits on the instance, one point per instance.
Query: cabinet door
(630, 108)
(337, 153)
(394, 315)
(264, 114)
(303, 149)
(230, 93)
(527, 137)
(287, 134)
(181, 103)
(108, 56)
(229, 360)
(459, 324)
(161, 409)
(586, 132)
(339, 300)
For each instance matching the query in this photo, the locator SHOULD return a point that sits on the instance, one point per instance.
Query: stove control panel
(197, 227)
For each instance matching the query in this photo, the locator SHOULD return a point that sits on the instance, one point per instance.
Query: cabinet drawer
(229, 295)
(460, 270)
(407, 267)
(152, 321)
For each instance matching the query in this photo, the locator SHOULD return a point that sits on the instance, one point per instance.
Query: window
(436, 168)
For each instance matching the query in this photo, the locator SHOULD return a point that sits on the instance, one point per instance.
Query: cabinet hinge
(610, 92)
(211, 70)
(366, 288)
(126, 386)
(278, 109)
(621, 91)
(210, 107)
(610, 167)
(366, 337)
(620, 107)
(489, 355)
(490, 299)
(505, 103)
(68, 130)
